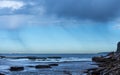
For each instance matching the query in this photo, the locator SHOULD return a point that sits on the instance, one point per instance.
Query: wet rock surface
(16, 68)
(118, 47)
(55, 57)
(2, 57)
(107, 65)
(2, 74)
(42, 66)
(31, 57)
(53, 64)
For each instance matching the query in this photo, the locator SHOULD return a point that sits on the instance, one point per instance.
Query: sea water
(69, 64)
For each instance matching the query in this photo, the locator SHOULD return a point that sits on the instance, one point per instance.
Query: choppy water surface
(68, 64)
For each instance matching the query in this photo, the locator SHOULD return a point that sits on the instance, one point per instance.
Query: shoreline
(107, 65)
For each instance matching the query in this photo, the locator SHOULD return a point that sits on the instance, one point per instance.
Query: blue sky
(59, 26)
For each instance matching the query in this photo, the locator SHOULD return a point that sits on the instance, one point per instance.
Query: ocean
(68, 64)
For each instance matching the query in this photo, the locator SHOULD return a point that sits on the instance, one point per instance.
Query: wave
(70, 59)
(4, 67)
(18, 60)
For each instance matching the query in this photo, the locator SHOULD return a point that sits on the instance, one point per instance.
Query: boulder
(16, 68)
(42, 66)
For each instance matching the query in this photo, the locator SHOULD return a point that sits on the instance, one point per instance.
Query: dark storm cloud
(96, 10)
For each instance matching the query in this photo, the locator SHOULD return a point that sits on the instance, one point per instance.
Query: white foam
(17, 59)
(4, 67)
(70, 59)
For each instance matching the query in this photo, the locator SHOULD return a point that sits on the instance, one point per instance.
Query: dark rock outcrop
(53, 64)
(31, 66)
(31, 58)
(2, 74)
(107, 65)
(67, 72)
(55, 57)
(2, 56)
(25, 57)
(16, 68)
(34, 58)
(42, 66)
(118, 47)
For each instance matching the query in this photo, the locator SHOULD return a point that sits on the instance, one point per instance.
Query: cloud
(96, 10)
(12, 11)
(93, 10)
(14, 21)
(116, 26)
(14, 5)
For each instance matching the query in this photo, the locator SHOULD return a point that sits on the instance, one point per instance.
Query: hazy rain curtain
(14, 35)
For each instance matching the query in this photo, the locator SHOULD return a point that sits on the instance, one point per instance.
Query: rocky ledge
(107, 65)
(2, 74)
(16, 68)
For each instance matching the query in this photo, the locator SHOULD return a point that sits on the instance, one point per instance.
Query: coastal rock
(107, 65)
(42, 66)
(53, 64)
(2, 74)
(2, 56)
(95, 73)
(55, 57)
(34, 58)
(118, 47)
(31, 66)
(67, 72)
(98, 59)
(16, 68)
(103, 59)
